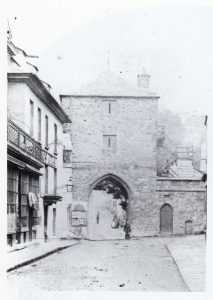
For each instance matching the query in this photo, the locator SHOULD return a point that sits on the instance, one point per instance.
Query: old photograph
(107, 149)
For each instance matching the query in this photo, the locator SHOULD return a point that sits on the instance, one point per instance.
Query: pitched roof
(110, 84)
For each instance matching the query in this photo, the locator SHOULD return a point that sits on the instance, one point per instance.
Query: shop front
(22, 205)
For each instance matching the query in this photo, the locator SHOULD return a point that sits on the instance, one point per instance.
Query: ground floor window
(12, 190)
(22, 214)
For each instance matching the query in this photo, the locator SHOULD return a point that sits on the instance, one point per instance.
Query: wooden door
(166, 219)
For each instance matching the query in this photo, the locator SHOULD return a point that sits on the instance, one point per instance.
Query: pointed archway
(108, 208)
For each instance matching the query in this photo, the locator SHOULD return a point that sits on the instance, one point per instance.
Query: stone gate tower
(114, 134)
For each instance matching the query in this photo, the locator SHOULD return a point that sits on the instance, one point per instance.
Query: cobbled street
(142, 265)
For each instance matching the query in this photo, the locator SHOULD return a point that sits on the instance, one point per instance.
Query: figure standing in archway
(127, 230)
(97, 217)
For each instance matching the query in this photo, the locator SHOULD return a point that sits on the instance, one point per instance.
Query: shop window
(12, 190)
(34, 187)
(24, 199)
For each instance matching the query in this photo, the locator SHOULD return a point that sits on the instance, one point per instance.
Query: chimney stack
(143, 79)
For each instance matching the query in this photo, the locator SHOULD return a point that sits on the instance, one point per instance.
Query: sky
(174, 44)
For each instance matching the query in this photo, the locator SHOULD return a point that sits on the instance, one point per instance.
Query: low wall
(187, 199)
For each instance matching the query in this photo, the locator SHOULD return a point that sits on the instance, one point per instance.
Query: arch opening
(166, 219)
(108, 208)
(188, 227)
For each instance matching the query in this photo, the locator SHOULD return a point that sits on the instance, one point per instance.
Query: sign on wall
(79, 218)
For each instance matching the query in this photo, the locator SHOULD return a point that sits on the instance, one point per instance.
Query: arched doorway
(166, 219)
(108, 208)
(188, 227)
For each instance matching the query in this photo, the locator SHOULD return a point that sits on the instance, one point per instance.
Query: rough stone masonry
(116, 135)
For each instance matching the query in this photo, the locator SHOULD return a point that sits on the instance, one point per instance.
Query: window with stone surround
(67, 156)
(109, 107)
(109, 142)
(39, 124)
(31, 118)
(46, 132)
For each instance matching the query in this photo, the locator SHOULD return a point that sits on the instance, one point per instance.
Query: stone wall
(187, 198)
(133, 121)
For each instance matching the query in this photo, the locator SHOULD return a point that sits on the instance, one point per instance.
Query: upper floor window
(31, 118)
(67, 156)
(109, 107)
(55, 181)
(55, 139)
(39, 124)
(46, 179)
(46, 131)
(109, 142)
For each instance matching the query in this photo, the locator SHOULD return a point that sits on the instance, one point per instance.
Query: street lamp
(69, 185)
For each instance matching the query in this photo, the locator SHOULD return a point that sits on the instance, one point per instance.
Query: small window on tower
(109, 142)
(109, 107)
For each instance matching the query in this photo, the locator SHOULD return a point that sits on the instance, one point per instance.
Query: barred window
(67, 156)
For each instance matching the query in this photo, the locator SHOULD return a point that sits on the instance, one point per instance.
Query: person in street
(127, 231)
(97, 217)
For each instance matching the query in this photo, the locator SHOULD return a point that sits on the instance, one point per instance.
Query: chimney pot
(143, 79)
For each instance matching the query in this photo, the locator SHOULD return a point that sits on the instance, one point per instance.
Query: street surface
(101, 202)
(137, 265)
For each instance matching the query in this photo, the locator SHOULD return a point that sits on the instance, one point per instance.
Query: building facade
(36, 122)
(115, 138)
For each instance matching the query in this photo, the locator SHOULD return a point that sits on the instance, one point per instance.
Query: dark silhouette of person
(127, 230)
(97, 217)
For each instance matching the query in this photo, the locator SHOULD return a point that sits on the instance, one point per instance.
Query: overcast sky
(173, 43)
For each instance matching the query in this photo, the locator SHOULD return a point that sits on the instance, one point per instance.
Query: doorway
(166, 219)
(188, 227)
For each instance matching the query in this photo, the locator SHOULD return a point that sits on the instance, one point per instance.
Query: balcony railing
(48, 158)
(20, 139)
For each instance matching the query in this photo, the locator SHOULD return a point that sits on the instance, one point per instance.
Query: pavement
(189, 255)
(35, 251)
(174, 264)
